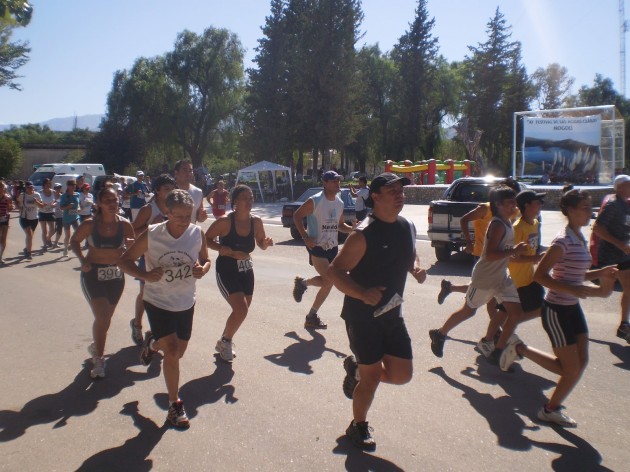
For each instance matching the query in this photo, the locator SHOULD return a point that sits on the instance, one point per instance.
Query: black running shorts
(563, 323)
(164, 322)
(371, 339)
(103, 281)
(531, 296)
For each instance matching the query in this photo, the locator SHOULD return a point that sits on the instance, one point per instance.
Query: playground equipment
(429, 169)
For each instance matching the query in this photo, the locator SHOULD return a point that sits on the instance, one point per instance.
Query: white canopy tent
(253, 173)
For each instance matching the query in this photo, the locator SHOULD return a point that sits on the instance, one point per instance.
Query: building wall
(37, 155)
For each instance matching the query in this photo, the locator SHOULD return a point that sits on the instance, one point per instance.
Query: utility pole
(623, 27)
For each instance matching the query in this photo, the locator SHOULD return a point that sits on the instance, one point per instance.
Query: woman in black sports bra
(101, 280)
(238, 233)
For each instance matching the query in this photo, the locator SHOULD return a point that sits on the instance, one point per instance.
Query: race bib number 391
(108, 273)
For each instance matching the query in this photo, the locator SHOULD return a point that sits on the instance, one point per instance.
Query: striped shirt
(570, 269)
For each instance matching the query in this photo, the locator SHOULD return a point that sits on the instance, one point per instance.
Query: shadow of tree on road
(359, 461)
(618, 350)
(132, 455)
(298, 356)
(79, 398)
(205, 390)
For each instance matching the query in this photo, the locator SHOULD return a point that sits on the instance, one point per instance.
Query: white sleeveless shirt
(323, 224)
(175, 291)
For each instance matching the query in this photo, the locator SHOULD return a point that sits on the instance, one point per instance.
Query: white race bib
(177, 273)
(244, 265)
(108, 273)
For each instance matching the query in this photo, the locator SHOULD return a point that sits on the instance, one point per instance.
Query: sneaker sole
(133, 338)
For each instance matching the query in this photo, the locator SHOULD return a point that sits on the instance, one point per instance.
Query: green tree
(321, 78)
(416, 57)
(10, 156)
(13, 55)
(18, 11)
(177, 103)
(495, 86)
(553, 86)
(268, 132)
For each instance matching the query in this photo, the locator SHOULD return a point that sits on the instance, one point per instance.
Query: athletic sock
(225, 340)
(312, 313)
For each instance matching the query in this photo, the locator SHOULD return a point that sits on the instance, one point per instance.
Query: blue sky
(77, 45)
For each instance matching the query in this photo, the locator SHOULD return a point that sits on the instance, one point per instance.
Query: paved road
(280, 405)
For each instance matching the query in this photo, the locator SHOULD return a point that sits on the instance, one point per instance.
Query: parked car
(289, 208)
(462, 196)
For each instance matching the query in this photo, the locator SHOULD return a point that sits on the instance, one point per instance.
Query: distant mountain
(90, 122)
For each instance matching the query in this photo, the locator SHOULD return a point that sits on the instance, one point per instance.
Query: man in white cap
(138, 192)
(612, 227)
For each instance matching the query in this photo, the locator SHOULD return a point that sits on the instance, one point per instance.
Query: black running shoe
(299, 287)
(437, 342)
(350, 381)
(314, 322)
(623, 332)
(177, 415)
(445, 290)
(359, 434)
(146, 355)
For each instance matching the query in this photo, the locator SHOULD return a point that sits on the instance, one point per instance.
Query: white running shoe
(98, 371)
(225, 350)
(509, 354)
(485, 347)
(65, 251)
(557, 417)
(92, 352)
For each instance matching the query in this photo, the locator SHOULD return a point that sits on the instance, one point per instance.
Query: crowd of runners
(161, 245)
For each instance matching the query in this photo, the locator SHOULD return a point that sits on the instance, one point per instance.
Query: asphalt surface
(279, 406)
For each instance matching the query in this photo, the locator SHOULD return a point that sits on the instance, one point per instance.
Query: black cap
(387, 179)
(528, 196)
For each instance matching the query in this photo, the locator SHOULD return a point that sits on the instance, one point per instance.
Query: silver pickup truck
(462, 196)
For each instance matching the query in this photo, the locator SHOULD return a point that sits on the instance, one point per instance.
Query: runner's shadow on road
(298, 356)
(578, 456)
(205, 390)
(132, 455)
(502, 414)
(79, 398)
(618, 350)
(359, 461)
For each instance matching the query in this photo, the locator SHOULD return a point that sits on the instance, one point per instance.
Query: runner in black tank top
(371, 270)
(101, 280)
(238, 233)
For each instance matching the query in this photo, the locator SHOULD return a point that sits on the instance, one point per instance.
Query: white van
(63, 180)
(50, 170)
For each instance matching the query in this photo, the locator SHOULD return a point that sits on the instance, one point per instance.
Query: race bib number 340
(244, 265)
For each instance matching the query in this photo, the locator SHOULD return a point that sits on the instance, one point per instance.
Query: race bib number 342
(177, 273)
